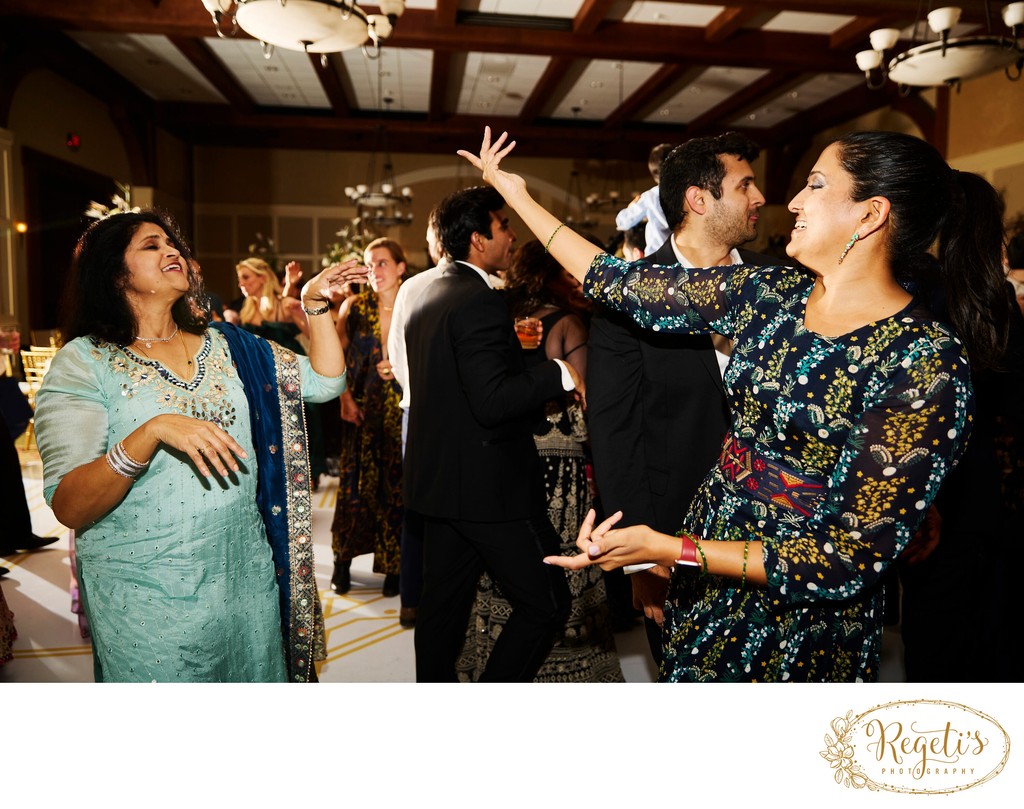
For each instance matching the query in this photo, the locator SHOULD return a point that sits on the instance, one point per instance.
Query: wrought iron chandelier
(378, 204)
(946, 60)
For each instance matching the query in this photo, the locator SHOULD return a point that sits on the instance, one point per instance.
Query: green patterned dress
(836, 448)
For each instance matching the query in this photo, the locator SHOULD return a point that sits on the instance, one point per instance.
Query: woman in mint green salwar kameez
(161, 453)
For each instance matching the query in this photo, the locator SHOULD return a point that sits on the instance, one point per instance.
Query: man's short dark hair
(698, 163)
(463, 213)
(657, 157)
(1015, 252)
(636, 237)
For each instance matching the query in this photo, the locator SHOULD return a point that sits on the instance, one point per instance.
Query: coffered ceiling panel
(286, 79)
(658, 13)
(153, 64)
(404, 78)
(595, 95)
(705, 92)
(546, 70)
(498, 83)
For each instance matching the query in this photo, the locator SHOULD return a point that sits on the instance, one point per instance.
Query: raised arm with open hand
(569, 249)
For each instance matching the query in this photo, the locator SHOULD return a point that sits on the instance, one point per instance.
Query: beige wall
(46, 107)
(298, 198)
(986, 135)
(223, 196)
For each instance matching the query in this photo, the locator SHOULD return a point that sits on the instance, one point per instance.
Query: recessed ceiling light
(597, 85)
(666, 112)
(695, 89)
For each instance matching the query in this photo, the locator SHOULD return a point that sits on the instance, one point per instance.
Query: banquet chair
(46, 338)
(35, 363)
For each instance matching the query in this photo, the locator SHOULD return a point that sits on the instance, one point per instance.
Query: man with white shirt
(471, 465)
(656, 403)
(397, 364)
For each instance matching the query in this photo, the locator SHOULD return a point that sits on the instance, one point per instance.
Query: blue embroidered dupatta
(270, 375)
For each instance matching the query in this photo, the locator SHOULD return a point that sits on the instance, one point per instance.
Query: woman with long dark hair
(850, 401)
(177, 453)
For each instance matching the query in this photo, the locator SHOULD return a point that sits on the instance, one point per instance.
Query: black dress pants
(17, 520)
(455, 553)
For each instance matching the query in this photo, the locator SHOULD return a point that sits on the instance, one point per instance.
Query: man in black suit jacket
(471, 466)
(656, 403)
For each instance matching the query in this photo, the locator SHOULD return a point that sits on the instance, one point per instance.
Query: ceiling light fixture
(610, 197)
(947, 60)
(378, 204)
(313, 26)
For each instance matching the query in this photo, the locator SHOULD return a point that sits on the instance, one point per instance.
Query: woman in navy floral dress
(850, 403)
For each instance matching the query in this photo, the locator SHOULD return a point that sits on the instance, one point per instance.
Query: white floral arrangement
(119, 203)
(351, 244)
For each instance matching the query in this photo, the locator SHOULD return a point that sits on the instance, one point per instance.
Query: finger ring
(203, 449)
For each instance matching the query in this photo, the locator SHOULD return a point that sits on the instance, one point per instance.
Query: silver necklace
(150, 340)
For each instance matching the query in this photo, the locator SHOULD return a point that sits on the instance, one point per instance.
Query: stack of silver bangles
(124, 464)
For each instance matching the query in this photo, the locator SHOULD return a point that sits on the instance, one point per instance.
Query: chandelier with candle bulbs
(946, 60)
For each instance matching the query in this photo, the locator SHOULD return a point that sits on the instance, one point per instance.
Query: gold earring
(849, 244)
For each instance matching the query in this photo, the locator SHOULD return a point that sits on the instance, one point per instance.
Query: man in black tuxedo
(656, 403)
(471, 466)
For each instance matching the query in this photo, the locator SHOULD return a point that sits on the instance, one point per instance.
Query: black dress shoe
(341, 581)
(30, 543)
(3, 572)
(390, 588)
(407, 617)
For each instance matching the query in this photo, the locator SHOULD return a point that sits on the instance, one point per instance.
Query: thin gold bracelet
(746, 550)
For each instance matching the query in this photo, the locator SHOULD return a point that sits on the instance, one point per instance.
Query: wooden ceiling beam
(545, 89)
(638, 42)
(196, 51)
(590, 16)
(331, 82)
(728, 22)
(852, 104)
(221, 127)
(720, 115)
(445, 12)
(972, 9)
(189, 18)
(646, 94)
(419, 28)
(439, 77)
(855, 33)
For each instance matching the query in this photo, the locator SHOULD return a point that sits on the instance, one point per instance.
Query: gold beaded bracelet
(746, 550)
